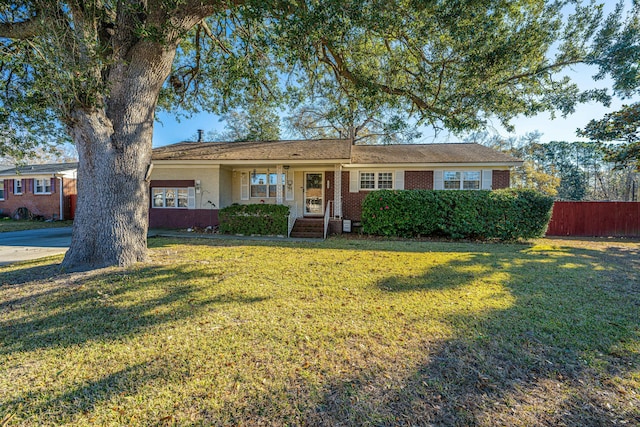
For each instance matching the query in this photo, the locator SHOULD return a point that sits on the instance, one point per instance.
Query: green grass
(7, 224)
(342, 332)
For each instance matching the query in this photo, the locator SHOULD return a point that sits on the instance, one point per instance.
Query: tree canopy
(621, 126)
(616, 52)
(576, 170)
(98, 69)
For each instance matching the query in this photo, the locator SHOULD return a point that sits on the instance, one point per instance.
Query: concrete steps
(311, 228)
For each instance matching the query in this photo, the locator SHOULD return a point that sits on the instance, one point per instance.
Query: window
(265, 185)
(376, 180)
(170, 197)
(385, 180)
(1, 189)
(367, 181)
(456, 180)
(17, 186)
(471, 180)
(43, 186)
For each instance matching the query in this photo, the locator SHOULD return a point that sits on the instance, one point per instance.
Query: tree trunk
(114, 149)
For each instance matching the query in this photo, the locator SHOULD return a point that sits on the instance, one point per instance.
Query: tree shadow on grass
(338, 243)
(76, 309)
(549, 359)
(531, 363)
(82, 399)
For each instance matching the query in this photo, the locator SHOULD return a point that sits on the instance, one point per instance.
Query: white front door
(313, 193)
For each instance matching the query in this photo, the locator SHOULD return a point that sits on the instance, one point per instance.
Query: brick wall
(46, 205)
(418, 180)
(500, 179)
(351, 202)
(182, 218)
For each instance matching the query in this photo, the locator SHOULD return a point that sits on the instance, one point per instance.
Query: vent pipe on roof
(200, 135)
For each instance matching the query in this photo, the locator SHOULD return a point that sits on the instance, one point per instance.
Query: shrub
(254, 219)
(508, 214)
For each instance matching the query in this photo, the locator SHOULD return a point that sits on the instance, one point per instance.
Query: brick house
(45, 190)
(324, 179)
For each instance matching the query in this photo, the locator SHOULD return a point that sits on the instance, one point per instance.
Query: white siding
(289, 190)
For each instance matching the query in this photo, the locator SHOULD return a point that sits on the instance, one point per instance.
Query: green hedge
(508, 214)
(254, 219)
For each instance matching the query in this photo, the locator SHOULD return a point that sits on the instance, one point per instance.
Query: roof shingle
(428, 153)
(327, 149)
(40, 169)
(334, 149)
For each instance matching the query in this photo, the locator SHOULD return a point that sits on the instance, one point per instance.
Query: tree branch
(341, 69)
(21, 30)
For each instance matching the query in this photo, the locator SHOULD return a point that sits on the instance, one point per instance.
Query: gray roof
(48, 169)
(334, 149)
(323, 149)
(428, 153)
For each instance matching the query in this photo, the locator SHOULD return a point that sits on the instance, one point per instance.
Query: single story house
(326, 179)
(45, 190)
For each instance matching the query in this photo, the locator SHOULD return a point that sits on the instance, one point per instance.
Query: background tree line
(579, 170)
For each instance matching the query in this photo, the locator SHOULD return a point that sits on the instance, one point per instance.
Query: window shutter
(399, 180)
(279, 185)
(354, 184)
(244, 186)
(53, 185)
(487, 179)
(438, 180)
(191, 198)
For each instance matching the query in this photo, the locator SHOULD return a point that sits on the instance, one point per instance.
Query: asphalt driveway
(32, 244)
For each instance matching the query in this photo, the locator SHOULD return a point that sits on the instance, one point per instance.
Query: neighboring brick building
(44, 190)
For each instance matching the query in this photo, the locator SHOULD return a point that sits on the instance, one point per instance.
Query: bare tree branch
(21, 30)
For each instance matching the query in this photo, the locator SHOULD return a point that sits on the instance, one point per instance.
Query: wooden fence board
(601, 219)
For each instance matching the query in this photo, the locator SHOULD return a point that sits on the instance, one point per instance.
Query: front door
(313, 193)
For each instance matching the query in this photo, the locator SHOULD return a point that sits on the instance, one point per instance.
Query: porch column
(279, 185)
(337, 191)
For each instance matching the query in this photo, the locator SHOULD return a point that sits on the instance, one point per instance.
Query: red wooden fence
(601, 219)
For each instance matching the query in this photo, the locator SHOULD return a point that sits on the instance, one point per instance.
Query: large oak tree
(98, 70)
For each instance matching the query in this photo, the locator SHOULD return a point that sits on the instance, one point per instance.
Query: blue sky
(168, 130)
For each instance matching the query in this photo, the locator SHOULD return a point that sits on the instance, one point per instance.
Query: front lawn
(7, 224)
(341, 332)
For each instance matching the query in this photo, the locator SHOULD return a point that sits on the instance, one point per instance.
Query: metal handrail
(293, 215)
(327, 215)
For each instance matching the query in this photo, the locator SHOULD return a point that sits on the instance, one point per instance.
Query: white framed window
(263, 184)
(17, 186)
(461, 180)
(1, 189)
(385, 180)
(42, 186)
(376, 180)
(170, 197)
